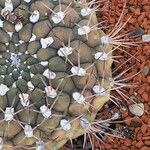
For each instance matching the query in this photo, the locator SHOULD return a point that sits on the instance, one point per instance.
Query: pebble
(136, 33)
(145, 71)
(146, 38)
(144, 128)
(145, 148)
(127, 142)
(137, 109)
(139, 144)
(147, 142)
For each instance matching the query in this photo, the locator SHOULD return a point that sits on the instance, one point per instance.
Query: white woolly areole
(105, 39)
(18, 26)
(44, 63)
(33, 38)
(1, 143)
(99, 90)
(45, 42)
(24, 99)
(65, 51)
(10, 34)
(15, 60)
(101, 56)
(50, 92)
(1, 23)
(8, 6)
(84, 30)
(40, 145)
(78, 71)
(58, 17)
(27, 1)
(9, 114)
(84, 122)
(49, 74)
(65, 124)
(46, 112)
(28, 131)
(79, 98)
(30, 85)
(86, 11)
(20, 41)
(3, 89)
(35, 16)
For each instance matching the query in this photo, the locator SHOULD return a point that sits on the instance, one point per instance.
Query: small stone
(139, 144)
(144, 128)
(127, 142)
(145, 148)
(147, 142)
(136, 32)
(137, 109)
(146, 38)
(145, 71)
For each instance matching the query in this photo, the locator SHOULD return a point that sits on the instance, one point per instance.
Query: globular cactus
(55, 71)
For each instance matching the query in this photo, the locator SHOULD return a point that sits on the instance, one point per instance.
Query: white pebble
(146, 38)
(137, 109)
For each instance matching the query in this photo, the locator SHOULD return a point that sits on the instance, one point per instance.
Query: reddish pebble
(145, 96)
(137, 12)
(108, 146)
(147, 143)
(144, 128)
(145, 148)
(139, 144)
(146, 138)
(127, 142)
(133, 143)
(148, 79)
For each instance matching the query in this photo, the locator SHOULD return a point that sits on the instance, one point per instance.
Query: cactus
(55, 72)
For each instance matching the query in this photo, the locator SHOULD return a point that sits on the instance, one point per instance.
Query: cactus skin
(24, 60)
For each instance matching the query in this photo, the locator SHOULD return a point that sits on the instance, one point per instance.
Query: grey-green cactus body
(47, 64)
